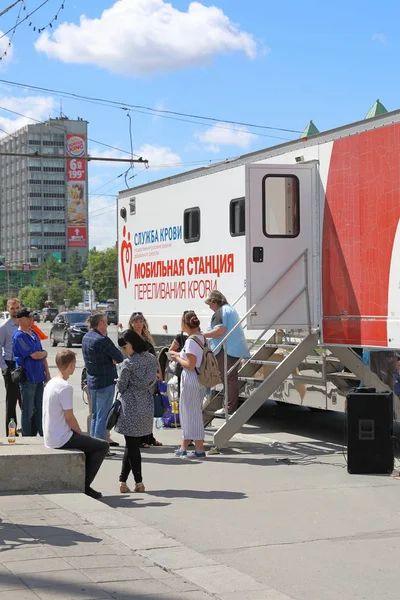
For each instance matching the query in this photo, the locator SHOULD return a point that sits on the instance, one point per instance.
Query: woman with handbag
(192, 392)
(139, 325)
(137, 376)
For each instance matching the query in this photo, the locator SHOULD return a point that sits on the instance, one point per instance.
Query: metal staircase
(300, 360)
(280, 369)
(248, 370)
(280, 372)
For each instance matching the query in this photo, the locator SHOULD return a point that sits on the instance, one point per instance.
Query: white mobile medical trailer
(302, 237)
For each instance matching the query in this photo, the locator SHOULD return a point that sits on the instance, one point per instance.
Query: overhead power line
(153, 111)
(3, 12)
(14, 112)
(86, 158)
(25, 18)
(158, 166)
(16, 23)
(50, 23)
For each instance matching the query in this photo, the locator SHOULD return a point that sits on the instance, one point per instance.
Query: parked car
(4, 316)
(112, 317)
(69, 328)
(49, 314)
(36, 317)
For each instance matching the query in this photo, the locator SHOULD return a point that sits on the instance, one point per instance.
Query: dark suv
(112, 317)
(49, 314)
(69, 328)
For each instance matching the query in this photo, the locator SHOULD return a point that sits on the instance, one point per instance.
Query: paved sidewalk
(70, 547)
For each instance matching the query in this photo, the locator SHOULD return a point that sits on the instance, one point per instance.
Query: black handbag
(18, 375)
(113, 414)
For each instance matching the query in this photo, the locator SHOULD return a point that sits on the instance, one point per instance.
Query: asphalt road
(277, 504)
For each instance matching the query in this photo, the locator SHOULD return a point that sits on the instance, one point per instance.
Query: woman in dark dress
(139, 325)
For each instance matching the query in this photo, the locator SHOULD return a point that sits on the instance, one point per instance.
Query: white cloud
(224, 135)
(212, 148)
(140, 37)
(107, 153)
(379, 37)
(4, 47)
(159, 157)
(36, 107)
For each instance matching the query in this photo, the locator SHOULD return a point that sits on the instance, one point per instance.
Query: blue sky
(271, 63)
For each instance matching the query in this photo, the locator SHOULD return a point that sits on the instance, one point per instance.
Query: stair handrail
(223, 343)
(239, 297)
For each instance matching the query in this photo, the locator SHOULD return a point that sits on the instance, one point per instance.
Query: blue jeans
(101, 403)
(32, 400)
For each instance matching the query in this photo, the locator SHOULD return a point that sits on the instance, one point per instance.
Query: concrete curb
(172, 557)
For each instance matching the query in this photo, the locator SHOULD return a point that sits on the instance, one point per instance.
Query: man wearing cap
(224, 319)
(28, 353)
(7, 362)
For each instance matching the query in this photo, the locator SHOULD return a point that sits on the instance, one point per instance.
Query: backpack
(208, 373)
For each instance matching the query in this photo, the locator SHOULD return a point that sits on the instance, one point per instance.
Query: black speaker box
(369, 432)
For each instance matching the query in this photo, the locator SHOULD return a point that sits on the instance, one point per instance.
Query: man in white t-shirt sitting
(60, 427)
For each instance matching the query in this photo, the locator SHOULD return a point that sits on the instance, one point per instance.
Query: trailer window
(237, 217)
(191, 225)
(281, 206)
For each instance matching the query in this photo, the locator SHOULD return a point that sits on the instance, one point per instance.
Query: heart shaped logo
(126, 257)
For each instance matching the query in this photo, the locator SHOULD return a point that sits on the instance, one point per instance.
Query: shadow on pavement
(48, 587)
(199, 494)
(131, 502)
(14, 535)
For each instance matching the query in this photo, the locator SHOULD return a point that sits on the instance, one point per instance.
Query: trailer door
(282, 222)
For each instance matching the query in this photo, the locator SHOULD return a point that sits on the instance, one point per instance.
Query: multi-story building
(44, 199)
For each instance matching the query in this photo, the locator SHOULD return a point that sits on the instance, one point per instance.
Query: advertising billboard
(77, 237)
(76, 191)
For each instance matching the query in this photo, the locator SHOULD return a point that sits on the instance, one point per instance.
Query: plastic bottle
(159, 424)
(12, 429)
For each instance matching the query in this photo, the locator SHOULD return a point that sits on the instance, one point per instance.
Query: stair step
(253, 379)
(308, 379)
(273, 363)
(344, 375)
(288, 346)
(318, 360)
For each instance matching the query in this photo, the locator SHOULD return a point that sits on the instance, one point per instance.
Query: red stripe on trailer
(362, 210)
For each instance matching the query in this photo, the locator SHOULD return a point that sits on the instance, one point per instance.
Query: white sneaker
(220, 413)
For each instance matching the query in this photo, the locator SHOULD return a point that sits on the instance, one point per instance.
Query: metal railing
(223, 343)
(239, 297)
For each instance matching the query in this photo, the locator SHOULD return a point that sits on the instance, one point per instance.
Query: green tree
(3, 302)
(50, 269)
(74, 268)
(75, 294)
(33, 297)
(102, 272)
(57, 290)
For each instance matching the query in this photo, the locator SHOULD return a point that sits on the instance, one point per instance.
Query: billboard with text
(77, 209)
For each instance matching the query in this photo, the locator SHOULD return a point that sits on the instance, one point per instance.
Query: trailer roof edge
(325, 136)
